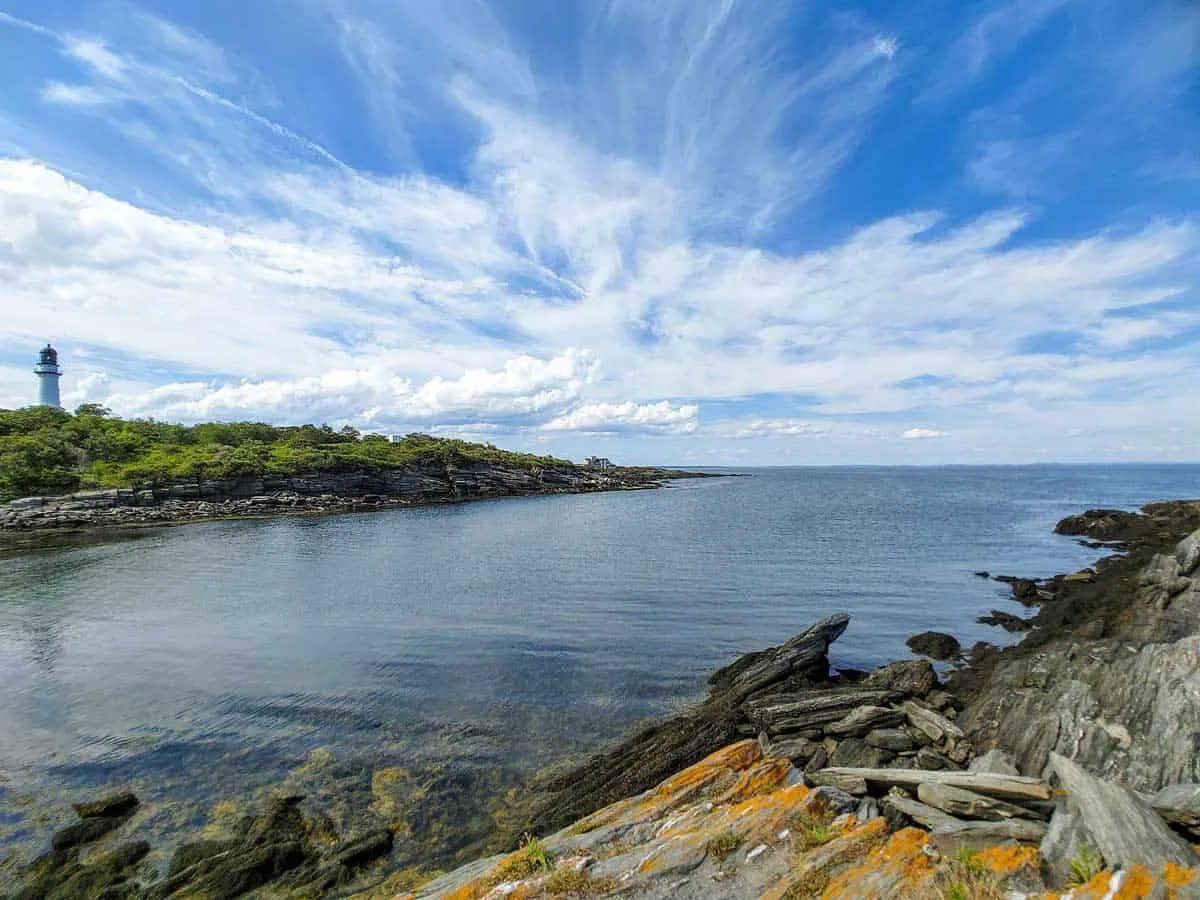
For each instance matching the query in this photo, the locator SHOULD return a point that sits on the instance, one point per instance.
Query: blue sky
(671, 231)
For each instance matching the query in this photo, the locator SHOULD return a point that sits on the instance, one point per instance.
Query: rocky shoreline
(1067, 762)
(316, 493)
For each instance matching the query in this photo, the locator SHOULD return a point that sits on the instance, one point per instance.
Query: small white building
(599, 462)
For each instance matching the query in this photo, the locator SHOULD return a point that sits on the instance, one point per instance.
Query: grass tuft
(1085, 865)
(721, 845)
(811, 827)
(530, 859)
(571, 882)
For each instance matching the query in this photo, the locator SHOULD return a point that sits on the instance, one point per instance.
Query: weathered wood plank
(1004, 787)
(1119, 823)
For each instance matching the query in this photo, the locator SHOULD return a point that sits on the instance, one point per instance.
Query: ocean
(206, 662)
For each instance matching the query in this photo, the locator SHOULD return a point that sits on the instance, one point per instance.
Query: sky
(664, 231)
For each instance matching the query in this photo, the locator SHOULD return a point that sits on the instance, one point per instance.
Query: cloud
(920, 434)
(754, 429)
(466, 228)
(608, 418)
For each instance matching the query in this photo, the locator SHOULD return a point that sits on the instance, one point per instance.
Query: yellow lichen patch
(472, 890)
(1175, 876)
(762, 818)
(760, 778)
(739, 756)
(898, 868)
(814, 871)
(1138, 884)
(1095, 889)
(1007, 859)
(713, 774)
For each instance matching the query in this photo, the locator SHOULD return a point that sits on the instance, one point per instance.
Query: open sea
(208, 661)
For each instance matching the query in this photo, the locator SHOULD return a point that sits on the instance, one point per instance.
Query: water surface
(211, 659)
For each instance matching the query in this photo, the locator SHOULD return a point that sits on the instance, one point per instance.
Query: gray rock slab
(1004, 787)
(1118, 822)
(966, 804)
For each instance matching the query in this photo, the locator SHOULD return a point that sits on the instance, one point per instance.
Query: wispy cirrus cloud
(600, 226)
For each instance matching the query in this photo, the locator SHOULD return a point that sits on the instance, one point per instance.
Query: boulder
(798, 750)
(85, 831)
(935, 644)
(1010, 623)
(857, 752)
(805, 655)
(995, 761)
(838, 802)
(1179, 805)
(111, 805)
(912, 678)
(897, 740)
(1098, 524)
(929, 759)
(940, 730)
(863, 719)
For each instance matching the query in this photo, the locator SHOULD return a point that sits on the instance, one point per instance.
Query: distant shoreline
(98, 516)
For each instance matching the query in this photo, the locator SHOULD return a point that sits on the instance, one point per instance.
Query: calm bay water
(210, 659)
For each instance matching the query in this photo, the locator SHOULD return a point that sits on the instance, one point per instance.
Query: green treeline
(50, 451)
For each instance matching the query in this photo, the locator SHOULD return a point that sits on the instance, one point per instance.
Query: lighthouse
(48, 373)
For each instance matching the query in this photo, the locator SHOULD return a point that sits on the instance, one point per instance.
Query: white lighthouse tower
(48, 373)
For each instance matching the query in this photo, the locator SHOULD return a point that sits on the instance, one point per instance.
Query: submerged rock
(113, 805)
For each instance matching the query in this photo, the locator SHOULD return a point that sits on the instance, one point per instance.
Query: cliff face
(186, 499)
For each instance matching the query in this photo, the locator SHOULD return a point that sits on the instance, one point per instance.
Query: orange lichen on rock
(762, 818)
(472, 890)
(711, 775)
(816, 869)
(1007, 859)
(1176, 876)
(739, 756)
(758, 779)
(898, 868)
(1138, 884)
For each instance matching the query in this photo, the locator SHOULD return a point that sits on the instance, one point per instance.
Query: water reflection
(210, 661)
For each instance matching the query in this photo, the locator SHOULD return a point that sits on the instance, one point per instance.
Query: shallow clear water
(210, 658)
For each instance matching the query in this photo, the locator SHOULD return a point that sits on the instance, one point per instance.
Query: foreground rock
(785, 696)
(740, 825)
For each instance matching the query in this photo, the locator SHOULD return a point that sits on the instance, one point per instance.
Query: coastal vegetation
(50, 451)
